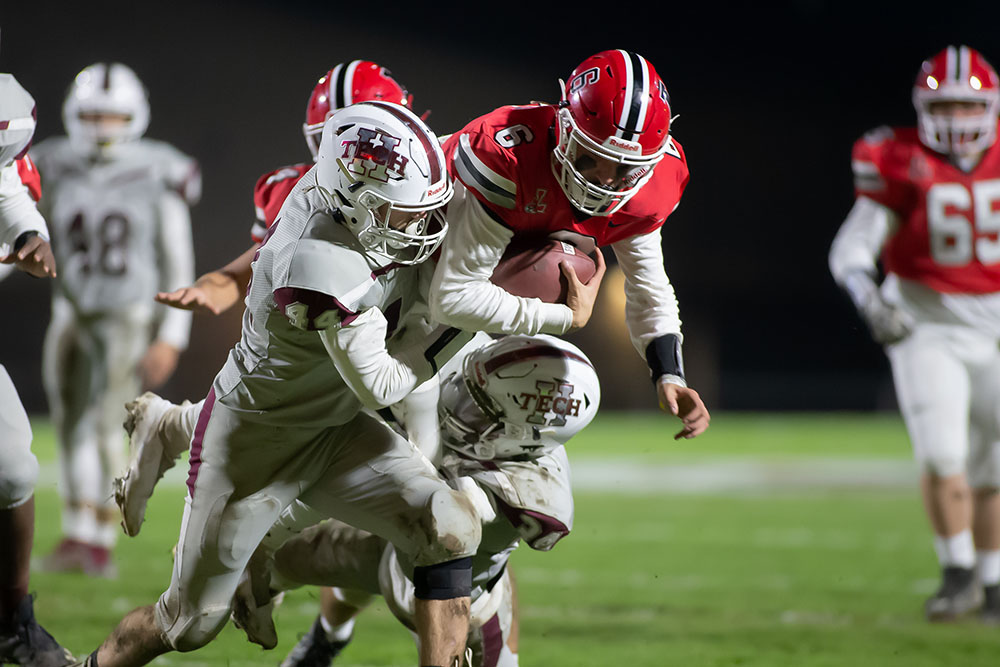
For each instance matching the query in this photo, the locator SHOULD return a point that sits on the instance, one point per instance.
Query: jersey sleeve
(873, 161)
(181, 173)
(312, 294)
(269, 194)
(488, 171)
(29, 177)
(18, 213)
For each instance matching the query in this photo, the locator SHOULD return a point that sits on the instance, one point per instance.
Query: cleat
(28, 643)
(958, 595)
(989, 613)
(69, 556)
(253, 603)
(148, 459)
(97, 562)
(314, 649)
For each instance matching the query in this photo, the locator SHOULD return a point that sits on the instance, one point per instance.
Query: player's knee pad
(18, 474)
(443, 581)
(942, 465)
(453, 530)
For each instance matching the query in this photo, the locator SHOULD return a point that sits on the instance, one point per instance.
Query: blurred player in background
(23, 244)
(599, 168)
(928, 204)
(117, 206)
(507, 407)
(332, 324)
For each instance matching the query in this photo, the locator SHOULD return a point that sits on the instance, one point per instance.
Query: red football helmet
(617, 108)
(346, 84)
(957, 74)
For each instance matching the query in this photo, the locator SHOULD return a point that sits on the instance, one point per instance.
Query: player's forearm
(177, 267)
(461, 293)
(238, 271)
(651, 309)
(860, 240)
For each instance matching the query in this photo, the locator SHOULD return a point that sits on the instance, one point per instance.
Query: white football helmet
(17, 119)
(520, 396)
(103, 88)
(377, 159)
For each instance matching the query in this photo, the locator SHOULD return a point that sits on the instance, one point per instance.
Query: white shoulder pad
(331, 269)
(535, 496)
(180, 172)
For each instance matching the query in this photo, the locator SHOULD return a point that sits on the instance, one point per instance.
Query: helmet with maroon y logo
(520, 396)
(616, 111)
(344, 85)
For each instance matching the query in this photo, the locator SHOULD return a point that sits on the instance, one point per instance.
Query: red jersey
(269, 194)
(29, 176)
(505, 160)
(948, 219)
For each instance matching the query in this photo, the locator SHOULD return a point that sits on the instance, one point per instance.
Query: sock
(91, 660)
(337, 633)
(959, 550)
(941, 549)
(988, 567)
(80, 523)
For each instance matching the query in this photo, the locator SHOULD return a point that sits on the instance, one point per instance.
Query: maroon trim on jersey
(492, 641)
(429, 146)
(496, 363)
(199, 437)
(317, 304)
(548, 525)
(386, 269)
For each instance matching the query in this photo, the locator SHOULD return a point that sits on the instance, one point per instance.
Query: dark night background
(770, 99)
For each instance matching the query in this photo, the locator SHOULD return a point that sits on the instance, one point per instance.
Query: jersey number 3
(955, 239)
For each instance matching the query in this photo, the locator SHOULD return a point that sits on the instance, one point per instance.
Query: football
(533, 270)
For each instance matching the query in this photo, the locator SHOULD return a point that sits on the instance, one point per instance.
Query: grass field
(772, 563)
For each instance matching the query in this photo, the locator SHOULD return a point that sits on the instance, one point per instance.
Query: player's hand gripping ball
(532, 269)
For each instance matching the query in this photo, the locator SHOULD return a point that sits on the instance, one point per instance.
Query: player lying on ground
(338, 278)
(928, 203)
(506, 410)
(117, 207)
(23, 244)
(598, 168)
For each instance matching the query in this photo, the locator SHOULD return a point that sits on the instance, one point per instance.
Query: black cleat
(314, 649)
(27, 643)
(989, 613)
(958, 595)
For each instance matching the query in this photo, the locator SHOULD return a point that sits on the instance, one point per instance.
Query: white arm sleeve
(18, 213)
(176, 267)
(650, 303)
(376, 377)
(857, 245)
(461, 293)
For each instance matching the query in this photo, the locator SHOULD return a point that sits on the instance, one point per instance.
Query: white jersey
(316, 294)
(120, 226)
(17, 209)
(533, 501)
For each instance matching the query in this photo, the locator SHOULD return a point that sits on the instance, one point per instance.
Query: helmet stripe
(951, 64)
(336, 86)
(430, 146)
(514, 356)
(636, 84)
(964, 64)
(348, 84)
(106, 83)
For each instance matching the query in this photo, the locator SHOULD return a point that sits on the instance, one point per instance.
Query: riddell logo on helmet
(624, 145)
(551, 397)
(434, 190)
(378, 150)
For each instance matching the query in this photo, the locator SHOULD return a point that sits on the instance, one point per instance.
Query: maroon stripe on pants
(199, 436)
(492, 641)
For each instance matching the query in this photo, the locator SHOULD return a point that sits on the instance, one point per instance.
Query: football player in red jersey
(599, 168)
(345, 84)
(928, 205)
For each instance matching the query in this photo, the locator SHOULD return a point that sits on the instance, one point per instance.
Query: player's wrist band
(23, 238)
(663, 355)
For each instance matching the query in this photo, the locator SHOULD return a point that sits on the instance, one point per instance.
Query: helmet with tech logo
(957, 74)
(520, 396)
(377, 163)
(344, 85)
(17, 120)
(615, 107)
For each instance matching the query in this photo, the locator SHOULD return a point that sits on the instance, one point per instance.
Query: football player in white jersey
(333, 322)
(23, 244)
(117, 207)
(507, 407)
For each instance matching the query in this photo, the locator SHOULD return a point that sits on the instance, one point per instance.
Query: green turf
(811, 579)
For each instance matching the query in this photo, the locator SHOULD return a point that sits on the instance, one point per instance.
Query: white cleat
(253, 616)
(148, 459)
